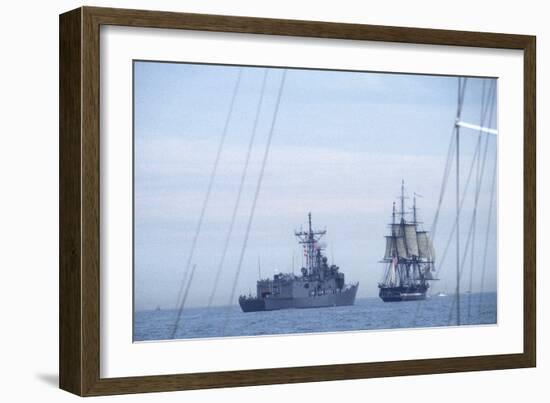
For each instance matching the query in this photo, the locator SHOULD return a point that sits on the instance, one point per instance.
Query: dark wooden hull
(400, 294)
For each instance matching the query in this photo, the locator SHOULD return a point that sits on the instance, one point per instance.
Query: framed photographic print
(249, 201)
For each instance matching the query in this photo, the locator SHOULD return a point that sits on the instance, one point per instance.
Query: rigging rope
(468, 181)
(182, 298)
(479, 181)
(456, 298)
(486, 103)
(489, 218)
(458, 116)
(448, 164)
(239, 192)
(441, 265)
(474, 218)
(255, 200)
(490, 205)
(174, 331)
(446, 172)
(453, 228)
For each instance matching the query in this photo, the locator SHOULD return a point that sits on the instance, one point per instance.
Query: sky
(342, 143)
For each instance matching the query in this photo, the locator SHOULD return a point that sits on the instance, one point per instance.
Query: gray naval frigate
(319, 285)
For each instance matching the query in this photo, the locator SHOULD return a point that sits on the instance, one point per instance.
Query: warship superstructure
(408, 258)
(318, 285)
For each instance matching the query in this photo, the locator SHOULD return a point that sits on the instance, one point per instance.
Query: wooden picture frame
(79, 201)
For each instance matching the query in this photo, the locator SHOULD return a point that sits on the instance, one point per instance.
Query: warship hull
(343, 298)
(398, 294)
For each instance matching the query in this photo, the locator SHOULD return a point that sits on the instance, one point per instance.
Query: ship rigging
(409, 258)
(478, 171)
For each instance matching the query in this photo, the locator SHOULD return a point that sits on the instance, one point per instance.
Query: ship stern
(251, 304)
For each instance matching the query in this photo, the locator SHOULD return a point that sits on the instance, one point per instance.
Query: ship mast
(407, 248)
(309, 239)
(402, 200)
(414, 208)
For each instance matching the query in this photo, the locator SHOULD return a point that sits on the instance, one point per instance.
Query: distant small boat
(158, 308)
(440, 294)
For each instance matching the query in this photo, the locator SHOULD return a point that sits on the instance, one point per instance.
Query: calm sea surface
(366, 314)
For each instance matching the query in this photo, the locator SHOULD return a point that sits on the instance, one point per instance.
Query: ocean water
(366, 314)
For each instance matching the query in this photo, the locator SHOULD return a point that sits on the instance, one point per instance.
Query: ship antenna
(402, 199)
(309, 239)
(310, 245)
(393, 214)
(414, 208)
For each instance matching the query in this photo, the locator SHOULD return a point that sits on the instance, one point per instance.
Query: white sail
(401, 249)
(410, 239)
(425, 248)
(390, 248)
(392, 276)
(396, 229)
(428, 274)
(423, 244)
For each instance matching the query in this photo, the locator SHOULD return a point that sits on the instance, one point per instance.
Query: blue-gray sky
(341, 145)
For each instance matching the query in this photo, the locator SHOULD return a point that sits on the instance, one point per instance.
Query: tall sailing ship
(408, 258)
(319, 285)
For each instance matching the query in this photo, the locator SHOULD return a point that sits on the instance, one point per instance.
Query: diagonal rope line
(466, 188)
(479, 181)
(441, 264)
(468, 243)
(182, 297)
(489, 218)
(472, 255)
(472, 222)
(239, 193)
(484, 261)
(453, 230)
(462, 263)
(449, 161)
(463, 199)
(446, 172)
(465, 253)
(444, 181)
(457, 195)
(255, 200)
